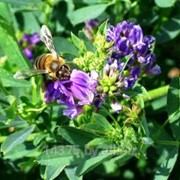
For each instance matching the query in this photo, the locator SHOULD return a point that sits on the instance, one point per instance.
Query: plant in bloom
(119, 56)
(28, 43)
(74, 93)
(128, 40)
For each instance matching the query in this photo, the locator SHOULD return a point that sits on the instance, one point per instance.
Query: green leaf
(173, 98)
(121, 159)
(93, 162)
(52, 172)
(11, 109)
(38, 138)
(6, 13)
(78, 42)
(94, 1)
(61, 45)
(17, 121)
(26, 165)
(136, 90)
(20, 151)
(86, 13)
(99, 143)
(87, 42)
(93, 127)
(9, 46)
(62, 156)
(15, 139)
(102, 29)
(165, 3)
(169, 30)
(22, 2)
(144, 125)
(108, 167)
(173, 104)
(30, 23)
(76, 136)
(167, 161)
(159, 103)
(71, 173)
(102, 121)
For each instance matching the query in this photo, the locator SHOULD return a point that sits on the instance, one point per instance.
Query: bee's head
(64, 72)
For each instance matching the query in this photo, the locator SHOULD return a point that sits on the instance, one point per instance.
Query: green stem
(3, 89)
(110, 115)
(168, 143)
(37, 109)
(156, 93)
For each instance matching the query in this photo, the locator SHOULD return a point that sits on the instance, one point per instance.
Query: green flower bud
(105, 89)
(90, 61)
(114, 136)
(113, 88)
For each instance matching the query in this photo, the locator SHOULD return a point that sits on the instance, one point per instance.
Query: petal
(28, 53)
(34, 38)
(116, 106)
(72, 112)
(79, 77)
(155, 70)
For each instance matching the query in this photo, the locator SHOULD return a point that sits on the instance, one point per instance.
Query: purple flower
(31, 39)
(28, 53)
(126, 36)
(74, 93)
(128, 40)
(27, 43)
(34, 39)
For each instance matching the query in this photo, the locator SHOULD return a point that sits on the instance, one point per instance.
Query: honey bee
(50, 63)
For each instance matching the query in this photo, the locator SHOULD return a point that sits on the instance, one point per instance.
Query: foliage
(39, 139)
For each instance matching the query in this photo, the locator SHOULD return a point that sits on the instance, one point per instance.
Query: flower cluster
(120, 56)
(27, 43)
(74, 93)
(129, 41)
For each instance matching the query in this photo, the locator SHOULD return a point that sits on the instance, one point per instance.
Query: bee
(50, 63)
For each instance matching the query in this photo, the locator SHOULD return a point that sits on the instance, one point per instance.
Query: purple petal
(72, 112)
(28, 53)
(155, 70)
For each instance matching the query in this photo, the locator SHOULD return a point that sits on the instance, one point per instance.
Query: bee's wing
(46, 38)
(27, 73)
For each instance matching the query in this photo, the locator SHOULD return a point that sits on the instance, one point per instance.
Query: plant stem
(168, 143)
(110, 115)
(156, 93)
(3, 89)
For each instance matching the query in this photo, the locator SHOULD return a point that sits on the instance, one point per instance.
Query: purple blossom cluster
(129, 57)
(128, 40)
(27, 43)
(74, 93)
